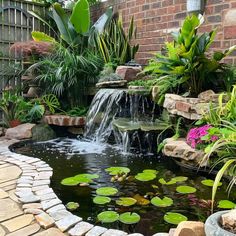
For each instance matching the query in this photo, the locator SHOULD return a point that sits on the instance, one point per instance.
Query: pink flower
(195, 135)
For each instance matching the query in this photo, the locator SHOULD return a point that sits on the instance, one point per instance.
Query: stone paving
(28, 206)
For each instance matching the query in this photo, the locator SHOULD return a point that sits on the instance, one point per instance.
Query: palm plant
(65, 74)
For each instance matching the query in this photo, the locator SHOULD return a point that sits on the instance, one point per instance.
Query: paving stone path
(28, 206)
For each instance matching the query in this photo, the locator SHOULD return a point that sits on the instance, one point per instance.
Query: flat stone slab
(3, 194)
(2, 231)
(51, 203)
(45, 220)
(28, 230)
(58, 215)
(10, 173)
(80, 229)
(51, 232)
(114, 232)
(68, 222)
(29, 198)
(9, 209)
(96, 231)
(32, 205)
(18, 222)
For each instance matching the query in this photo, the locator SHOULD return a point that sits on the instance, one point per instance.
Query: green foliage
(77, 111)
(66, 74)
(72, 206)
(174, 218)
(225, 109)
(145, 176)
(129, 218)
(117, 170)
(79, 179)
(126, 201)
(115, 45)
(186, 67)
(165, 202)
(106, 191)
(108, 216)
(101, 200)
(226, 204)
(185, 189)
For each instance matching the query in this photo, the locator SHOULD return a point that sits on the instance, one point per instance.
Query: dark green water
(72, 157)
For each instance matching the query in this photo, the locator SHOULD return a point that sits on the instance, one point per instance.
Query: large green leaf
(209, 182)
(115, 170)
(106, 191)
(145, 176)
(126, 201)
(101, 200)
(40, 36)
(174, 218)
(186, 189)
(63, 24)
(108, 216)
(129, 218)
(164, 182)
(72, 206)
(226, 204)
(80, 17)
(165, 202)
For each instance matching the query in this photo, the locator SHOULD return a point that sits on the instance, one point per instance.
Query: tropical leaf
(80, 17)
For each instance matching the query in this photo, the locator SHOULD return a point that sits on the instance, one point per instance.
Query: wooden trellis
(16, 25)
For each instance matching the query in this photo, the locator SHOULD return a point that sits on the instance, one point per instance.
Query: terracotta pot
(14, 123)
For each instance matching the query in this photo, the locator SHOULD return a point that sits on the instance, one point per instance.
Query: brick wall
(156, 19)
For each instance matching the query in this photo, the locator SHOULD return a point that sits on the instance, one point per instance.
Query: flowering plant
(200, 136)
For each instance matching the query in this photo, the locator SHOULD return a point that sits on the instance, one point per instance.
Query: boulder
(190, 228)
(128, 73)
(64, 120)
(229, 219)
(112, 84)
(23, 131)
(42, 132)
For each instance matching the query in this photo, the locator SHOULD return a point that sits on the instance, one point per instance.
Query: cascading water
(116, 115)
(104, 107)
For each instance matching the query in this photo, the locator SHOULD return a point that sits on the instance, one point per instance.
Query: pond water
(70, 157)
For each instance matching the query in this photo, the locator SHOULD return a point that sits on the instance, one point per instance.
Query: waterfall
(116, 115)
(104, 107)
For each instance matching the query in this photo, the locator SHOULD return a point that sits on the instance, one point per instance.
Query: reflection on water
(69, 157)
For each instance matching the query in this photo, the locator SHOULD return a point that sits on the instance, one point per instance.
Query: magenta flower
(195, 135)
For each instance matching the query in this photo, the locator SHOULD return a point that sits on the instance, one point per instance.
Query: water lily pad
(126, 201)
(129, 218)
(106, 191)
(116, 170)
(165, 202)
(78, 179)
(185, 189)
(145, 176)
(174, 218)
(71, 181)
(141, 200)
(108, 216)
(180, 178)
(209, 182)
(101, 200)
(162, 181)
(150, 171)
(72, 206)
(226, 204)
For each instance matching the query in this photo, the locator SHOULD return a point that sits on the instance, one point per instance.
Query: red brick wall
(155, 19)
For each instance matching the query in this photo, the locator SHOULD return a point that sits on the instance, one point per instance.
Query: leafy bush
(115, 45)
(186, 67)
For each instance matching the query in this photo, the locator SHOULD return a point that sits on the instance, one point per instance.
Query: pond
(70, 157)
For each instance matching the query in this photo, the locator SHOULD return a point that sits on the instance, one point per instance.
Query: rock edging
(38, 199)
